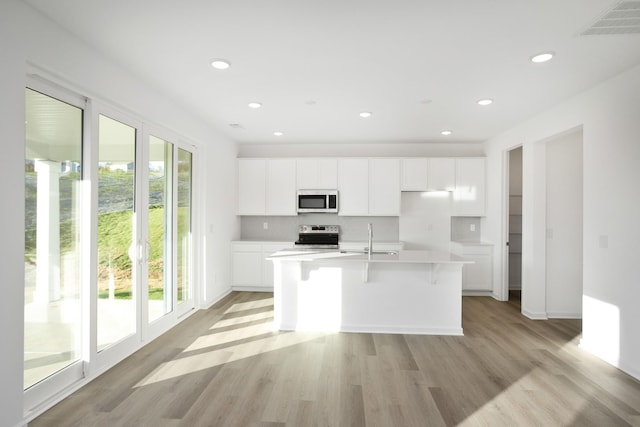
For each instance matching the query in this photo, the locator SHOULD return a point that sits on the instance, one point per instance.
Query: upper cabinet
(442, 174)
(266, 187)
(317, 174)
(369, 187)
(384, 187)
(353, 187)
(252, 190)
(415, 174)
(281, 187)
(432, 174)
(469, 194)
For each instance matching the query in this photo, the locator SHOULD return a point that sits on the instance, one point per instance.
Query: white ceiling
(418, 65)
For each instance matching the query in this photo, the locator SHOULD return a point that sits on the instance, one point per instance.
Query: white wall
(432, 149)
(26, 37)
(608, 114)
(564, 226)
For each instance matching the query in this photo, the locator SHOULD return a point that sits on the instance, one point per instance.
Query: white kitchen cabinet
(469, 194)
(281, 187)
(252, 190)
(369, 187)
(428, 174)
(415, 174)
(477, 278)
(384, 187)
(442, 174)
(247, 264)
(267, 187)
(317, 174)
(251, 271)
(353, 187)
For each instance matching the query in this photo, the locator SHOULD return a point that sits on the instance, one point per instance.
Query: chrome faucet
(370, 246)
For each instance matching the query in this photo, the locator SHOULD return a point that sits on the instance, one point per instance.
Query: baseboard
(216, 299)
(381, 330)
(535, 316)
(251, 289)
(470, 293)
(564, 315)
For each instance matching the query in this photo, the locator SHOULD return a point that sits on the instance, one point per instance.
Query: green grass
(156, 294)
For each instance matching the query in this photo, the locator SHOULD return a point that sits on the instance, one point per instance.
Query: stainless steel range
(318, 237)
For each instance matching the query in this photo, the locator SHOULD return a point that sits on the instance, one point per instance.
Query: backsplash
(461, 229)
(285, 228)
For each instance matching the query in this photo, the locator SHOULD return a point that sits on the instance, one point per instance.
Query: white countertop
(472, 242)
(404, 256)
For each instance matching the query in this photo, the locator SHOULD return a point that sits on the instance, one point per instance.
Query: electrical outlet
(265, 225)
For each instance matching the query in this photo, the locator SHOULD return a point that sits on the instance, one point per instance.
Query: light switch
(265, 225)
(472, 227)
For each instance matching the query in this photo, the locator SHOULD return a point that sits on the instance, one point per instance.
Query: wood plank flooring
(226, 367)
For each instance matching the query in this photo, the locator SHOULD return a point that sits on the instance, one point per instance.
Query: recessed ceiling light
(484, 102)
(446, 132)
(255, 105)
(220, 64)
(542, 57)
(426, 101)
(278, 133)
(235, 125)
(365, 114)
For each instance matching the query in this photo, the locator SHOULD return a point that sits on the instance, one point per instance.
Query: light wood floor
(225, 366)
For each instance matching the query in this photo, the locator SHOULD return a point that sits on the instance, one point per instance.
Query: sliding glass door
(117, 281)
(53, 258)
(108, 237)
(184, 246)
(160, 228)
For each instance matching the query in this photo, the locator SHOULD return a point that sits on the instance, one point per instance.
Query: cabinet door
(384, 187)
(317, 174)
(247, 268)
(281, 187)
(442, 174)
(251, 186)
(353, 185)
(327, 174)
(477, 276)
(415, 174)
(469, 194)
(307, 174)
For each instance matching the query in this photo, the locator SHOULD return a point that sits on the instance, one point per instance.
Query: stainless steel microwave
(317, 201)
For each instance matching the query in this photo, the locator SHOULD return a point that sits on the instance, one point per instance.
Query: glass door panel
(160, 225)
(184, 255)
(52, 234)
(117, 254)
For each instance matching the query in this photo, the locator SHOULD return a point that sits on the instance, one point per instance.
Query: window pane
(52, 256)
(160, 225)
(184, 225)
(116, 228)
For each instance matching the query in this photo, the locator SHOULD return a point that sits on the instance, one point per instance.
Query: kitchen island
(408, 292)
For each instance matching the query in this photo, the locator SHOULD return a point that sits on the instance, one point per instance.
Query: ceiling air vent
(623, 18)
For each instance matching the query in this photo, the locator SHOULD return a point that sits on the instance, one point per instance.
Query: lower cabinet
(477, 278)
(251, 271)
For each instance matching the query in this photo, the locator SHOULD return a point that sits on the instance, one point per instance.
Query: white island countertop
(402, 256)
